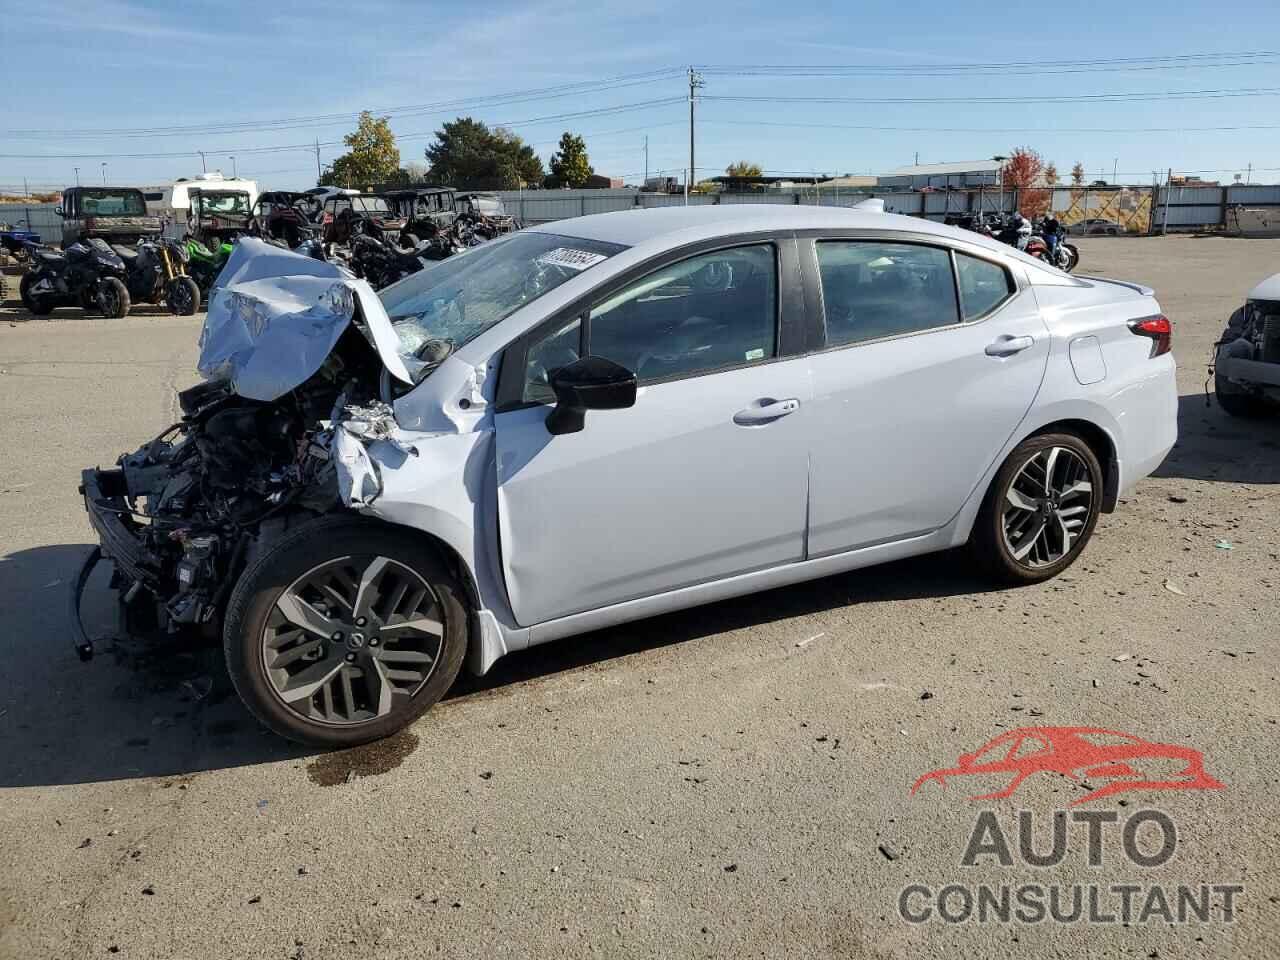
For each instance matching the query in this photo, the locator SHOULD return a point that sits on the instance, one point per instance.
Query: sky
(105, 79)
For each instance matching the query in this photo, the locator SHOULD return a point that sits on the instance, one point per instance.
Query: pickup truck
(116, 214)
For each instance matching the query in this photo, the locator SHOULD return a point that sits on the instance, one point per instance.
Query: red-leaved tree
(1022, 171)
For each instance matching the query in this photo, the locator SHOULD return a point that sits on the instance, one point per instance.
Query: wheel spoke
(297, 611)
(1028, 542)
(1018, 501)
(368, 591)
(1050, 464)
(418, 625)
(382, 695)
(391, 655)
(303, 685)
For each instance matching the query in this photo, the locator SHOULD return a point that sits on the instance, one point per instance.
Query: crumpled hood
(275, 315)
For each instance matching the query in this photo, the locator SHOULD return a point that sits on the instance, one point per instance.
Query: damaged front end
(299, 375)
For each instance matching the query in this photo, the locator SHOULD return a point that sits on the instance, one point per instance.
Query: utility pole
(319, 172)
(695, 83)
(1249, 176)
(1168, 188)
(77, 176)
(203, 166)
(104, 173)
(233, 169)
(646, 159)
(917, 163)
(1115, 170)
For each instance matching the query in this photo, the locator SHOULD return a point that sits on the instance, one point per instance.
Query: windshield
(105, 202)
(489, 206)
(370, 204)
(460, 298)
(232, 203)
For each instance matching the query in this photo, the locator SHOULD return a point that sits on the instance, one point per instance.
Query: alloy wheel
(352, 639)
(1046, 506)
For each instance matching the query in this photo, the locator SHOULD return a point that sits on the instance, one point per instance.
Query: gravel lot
(729, 781)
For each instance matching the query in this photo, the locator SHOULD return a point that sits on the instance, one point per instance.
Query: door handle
(1007, 345)
(765, 410)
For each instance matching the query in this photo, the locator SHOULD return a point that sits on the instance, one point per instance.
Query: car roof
(710, 221)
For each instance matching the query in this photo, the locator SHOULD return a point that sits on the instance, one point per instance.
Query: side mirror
(58, 211)
(591, 383)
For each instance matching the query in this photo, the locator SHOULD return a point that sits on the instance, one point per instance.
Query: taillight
(328, 218)
(1159, 329)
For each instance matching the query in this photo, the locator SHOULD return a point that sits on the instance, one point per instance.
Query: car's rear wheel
(1040, 510)
(113, 299)
(345, 632)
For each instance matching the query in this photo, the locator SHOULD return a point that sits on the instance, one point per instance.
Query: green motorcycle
(206, 264)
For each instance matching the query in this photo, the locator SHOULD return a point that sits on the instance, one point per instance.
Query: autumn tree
(468, 155)
(372, 156)
(743, 168)
(1023, 172)
(569, 165)
(1077, 174)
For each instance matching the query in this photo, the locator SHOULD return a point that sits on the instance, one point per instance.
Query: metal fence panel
(43, 220)
(1190, 216)
(1254, 196)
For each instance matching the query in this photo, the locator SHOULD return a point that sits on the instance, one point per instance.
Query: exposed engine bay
(275, 437)
(1246, 364)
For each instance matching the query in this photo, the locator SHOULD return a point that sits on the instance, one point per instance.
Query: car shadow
(1214, 446)
(168, 711)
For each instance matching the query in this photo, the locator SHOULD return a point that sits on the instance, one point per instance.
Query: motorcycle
(88, 274)
(1054, 249)
(155, 272)
(205, 263)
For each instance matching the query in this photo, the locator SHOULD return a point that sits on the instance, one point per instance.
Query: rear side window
(872, 289)
(706, 313)
(983, 285)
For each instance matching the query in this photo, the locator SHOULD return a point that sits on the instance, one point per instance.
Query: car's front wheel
(1040, 510)
(344, 632)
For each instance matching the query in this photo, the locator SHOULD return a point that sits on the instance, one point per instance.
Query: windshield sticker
(568, 257)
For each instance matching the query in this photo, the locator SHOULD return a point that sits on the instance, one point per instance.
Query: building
(941, 176)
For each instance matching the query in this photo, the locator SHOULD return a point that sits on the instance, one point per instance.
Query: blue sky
(106, 65)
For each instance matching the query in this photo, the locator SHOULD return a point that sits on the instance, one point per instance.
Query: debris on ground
(1225, 545)
(1174, 588)
(888, 851)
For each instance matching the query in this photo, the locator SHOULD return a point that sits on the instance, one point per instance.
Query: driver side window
(706, 313)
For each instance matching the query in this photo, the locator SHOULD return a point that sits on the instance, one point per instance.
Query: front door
(931, 363)
(705, 477)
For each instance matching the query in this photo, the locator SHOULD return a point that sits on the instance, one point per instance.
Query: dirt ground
(729, 781)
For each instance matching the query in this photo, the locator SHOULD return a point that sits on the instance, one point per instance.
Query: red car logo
(1080, 753)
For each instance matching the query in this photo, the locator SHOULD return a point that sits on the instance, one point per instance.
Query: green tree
(468, 155)
(570, 166)
(743, 168)
(1077, 174)
(372, 156)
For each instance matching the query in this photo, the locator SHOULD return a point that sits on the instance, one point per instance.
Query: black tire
(40, 305)
(1074, 254)
(183, 296)
(113, 299)
(988, 542)
(307, 548)
(408, 241)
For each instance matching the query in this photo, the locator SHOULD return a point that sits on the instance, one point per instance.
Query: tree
(1022, 172)
(372, 156)
(1051, 173)
(569, 165)
(1077, 174)
(743, 168)
(468, 155)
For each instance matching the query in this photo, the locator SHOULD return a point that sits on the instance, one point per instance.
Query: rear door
(704, 478)
(930, 360)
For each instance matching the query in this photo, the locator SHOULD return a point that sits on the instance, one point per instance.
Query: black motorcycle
(88, 274)
(155, 272)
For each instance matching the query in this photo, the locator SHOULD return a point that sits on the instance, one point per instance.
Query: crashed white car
(1246, 368)
(606, 418)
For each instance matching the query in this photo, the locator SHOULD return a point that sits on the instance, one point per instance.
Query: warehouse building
(941, 176)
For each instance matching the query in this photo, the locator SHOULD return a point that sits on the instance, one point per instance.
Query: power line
(597, 112)
(1073, 98)
(292, 123)
(1046, 130)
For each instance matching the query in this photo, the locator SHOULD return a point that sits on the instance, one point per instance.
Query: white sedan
(612, 417)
